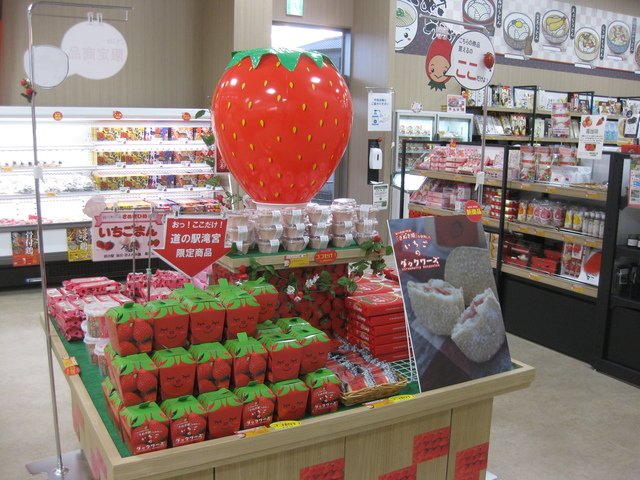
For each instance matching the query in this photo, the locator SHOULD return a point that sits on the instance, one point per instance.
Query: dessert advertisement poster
(450, 299)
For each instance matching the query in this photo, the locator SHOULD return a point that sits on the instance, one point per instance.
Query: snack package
(324, 393)
(176, 372)
(145, 428)
(187, 420)
(259, 404)
(266, 328)
(265, 294)
(113, 402)
(170, 323)
(249, 359)
(291, 399)
(375, 304)
(292, 323)
(242, 309)
(315, 348)
(213, 366)
(224, 412)
(206, 318)
(284, 356)
(135, 377)
(130, 329)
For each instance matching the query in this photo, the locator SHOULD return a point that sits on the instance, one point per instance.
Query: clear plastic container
(101, 360)
(342, 241)
(237, 218)
(364, 237)
(95, 315)
(341, 228)
(266, 217)
(243, 246)
(295, 231)
(295, 244)
(367, 212)
(342, 213)
(90, 343)
(318, 213)
(269, 232)
(268, 246)
(316, 229)
(366, 226)
(291, 216)
(319, 242)
(238, 234)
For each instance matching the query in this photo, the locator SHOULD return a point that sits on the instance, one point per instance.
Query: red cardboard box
(369, 287)
(324, 392)
(291, 399)
(315, 348)
(375, 304)
(249, 359)
(285, 354)
(145, 428)
(385, 329)
(187, 420)
(266, 296)
(213, 366)
(135, 377)
(170, 323)
(224, 412)
(206, 318)
(113, 402)
(376, 320)
(242, 309)
(176, 372)
(379, 339)
(259, 404)
(130, 329)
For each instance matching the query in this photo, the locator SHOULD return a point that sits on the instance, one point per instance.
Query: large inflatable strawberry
(282, 120)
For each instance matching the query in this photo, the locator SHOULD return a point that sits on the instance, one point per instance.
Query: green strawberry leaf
(289, 57)
(200, 113)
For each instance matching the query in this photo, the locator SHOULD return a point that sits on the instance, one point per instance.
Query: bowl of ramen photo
(618, 37)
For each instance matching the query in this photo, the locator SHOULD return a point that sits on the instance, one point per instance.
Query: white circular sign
(50, 66)
(468, 60)
(96, 50)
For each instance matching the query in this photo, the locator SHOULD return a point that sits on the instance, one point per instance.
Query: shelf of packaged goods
(177, 192)
(46, 170)
(551, 280)
(626, 302)
(443, 212)
(565, 191)
(45, 226)
(554, 234)
(555, 140)
(580, 114)
(624, 250)
(402, 137)
(305, 258)
(526, 111)
(47, 148)
(148, 146)
(454, 177)
(507, 138)
(155, 169)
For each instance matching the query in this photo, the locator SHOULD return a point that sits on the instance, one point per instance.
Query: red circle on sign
(325, 256)
(186, 116)
(117, 114)
(57, 116)
(473, 211)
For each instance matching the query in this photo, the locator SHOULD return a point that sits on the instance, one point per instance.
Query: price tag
(534, 276)
(577, 288)
(294, 261)
(253, 432)
(284, 424)
(124, 189)
(523, 229)
(7, 169)
(401, 398)
(524, 186)
(552, 189)
(50, 194)
(70, 366)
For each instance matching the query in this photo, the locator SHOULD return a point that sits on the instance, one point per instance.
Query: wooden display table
(440, 434)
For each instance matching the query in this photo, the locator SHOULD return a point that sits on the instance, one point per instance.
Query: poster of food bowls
(450, 298)
(572, 36)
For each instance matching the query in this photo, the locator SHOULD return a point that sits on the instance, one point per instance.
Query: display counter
(440, 434)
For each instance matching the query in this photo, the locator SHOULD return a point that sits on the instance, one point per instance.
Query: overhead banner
(450, 299)
(572, 37)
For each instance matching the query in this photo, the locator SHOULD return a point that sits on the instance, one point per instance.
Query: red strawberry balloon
(282, 120)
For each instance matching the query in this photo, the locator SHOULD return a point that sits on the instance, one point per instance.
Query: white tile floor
(572, 424)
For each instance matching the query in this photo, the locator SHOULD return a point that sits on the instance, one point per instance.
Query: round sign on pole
(50, 65)
(472, 60)
(96, 50)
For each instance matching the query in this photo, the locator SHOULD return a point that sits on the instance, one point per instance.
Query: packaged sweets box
(375, 304)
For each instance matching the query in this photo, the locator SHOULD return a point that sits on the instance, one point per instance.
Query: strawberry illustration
(257, 367)
(128, 348)
(282, 120)
(198, 423)
(158, 431)
(205, 386)
(147, 382)
(129, 383)
(204, 372)
(221, 372)
(142, 332)
(129, 399)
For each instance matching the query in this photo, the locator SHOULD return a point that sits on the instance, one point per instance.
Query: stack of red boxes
(376, 319)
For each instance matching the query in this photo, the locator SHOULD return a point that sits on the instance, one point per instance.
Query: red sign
(117, 114)
(325, 256)
(24, 248)
(333, 470)
(473, 211)
(193, 243)
(470, 462)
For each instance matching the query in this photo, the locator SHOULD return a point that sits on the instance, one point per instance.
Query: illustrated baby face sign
(450, 299)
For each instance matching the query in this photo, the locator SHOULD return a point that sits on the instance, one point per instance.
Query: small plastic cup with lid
(266, 217)
(292, 215)
(342, 241)
(295, 244)
(367, 212)
(319, 242)
(316, 229)
(268, 246)
(295, 230)
(342, 228)
(269, 232)
(342, 213)
(318, 213)
(366, 226)
(237, 218)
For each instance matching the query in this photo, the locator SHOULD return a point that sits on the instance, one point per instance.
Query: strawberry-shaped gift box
(259, 403)
(285, 354)
(135, 377)
(267, 328)
(145, 428)
(315, 348)
(266, 295)
(213, 370)
(249, 359)
(187, 420)
(130, 329)
(206, 317)
(325, 391)
(242, 309)
(291, 399)
(170, 323)
(287, 324)
(113, 403)
(224, 412)
(188, 290)
(176, 372)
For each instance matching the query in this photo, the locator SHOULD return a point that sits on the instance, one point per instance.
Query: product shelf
(527, 111)
(507, 138)
(565, 191)
(155, 169)
(148, 146)
(281, 260)
(46, 226)
(626, 302)
(178, 192)
(554, 234)
(455, 177)
(624, 250)
(551, 280)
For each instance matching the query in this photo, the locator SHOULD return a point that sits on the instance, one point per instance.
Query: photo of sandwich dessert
(451, 302)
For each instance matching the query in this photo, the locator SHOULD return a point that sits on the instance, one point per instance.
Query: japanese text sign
(468, 60)
(121, 235)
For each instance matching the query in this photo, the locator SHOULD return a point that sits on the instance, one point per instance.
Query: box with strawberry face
(258, 405)
(285, 354)
(176, 372)
(224, 412)
(213, 370)
(315, 348)
(145, 428)
(206, 318)
(266, 296)
(249, 360)
(188, 290)
(113, 402)
(242, 312)
(287, 324)
(187, 420)
(325, 391)
(130, 329)
(267, 328)
(291, 399)
(170, 323)
(135, 378)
